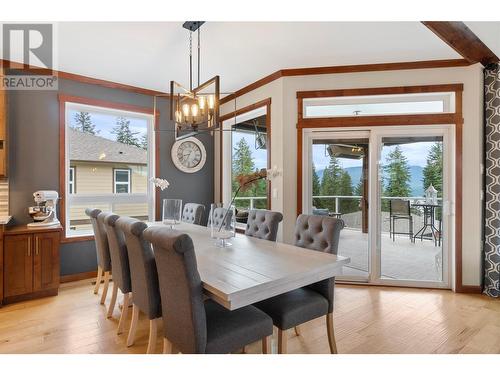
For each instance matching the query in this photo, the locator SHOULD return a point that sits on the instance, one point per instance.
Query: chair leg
(331, 333)
(282, 342)
(98, 280)
(133, 326)
(266, 345)
(105, 288)
(167, 346)
(152, 336)
(123, 316)
(113, 300)
(297, 330)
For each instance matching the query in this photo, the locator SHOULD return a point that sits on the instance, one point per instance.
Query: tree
(316, 186)
(433, 171)
(144, 141)
(124, 134)
(242, 165)
(396, 177)
(83, 123)
(347, 205)
(330, 183)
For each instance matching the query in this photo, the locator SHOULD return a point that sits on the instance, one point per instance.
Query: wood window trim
(129, 183)
(262, 103)
(455, 119)
(63, 99)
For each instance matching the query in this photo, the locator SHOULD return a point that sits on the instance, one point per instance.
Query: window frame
(152, 195)
(128, 183)
(263, 107)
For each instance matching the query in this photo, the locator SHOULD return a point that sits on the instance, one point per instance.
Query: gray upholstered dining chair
(144, 278)
(121, 269)
(263, 224)
(191, 324)
(193, 213)
(288, 310)
(102, 250)
(219, 216)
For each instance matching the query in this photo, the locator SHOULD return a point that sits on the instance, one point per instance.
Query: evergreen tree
(330, 183)
(396, 177)
(347, 205)
(124, 134)
(83, 123)
(243, 164)
(433, 171)
(144, 141)
(316, 186)
(358, 190)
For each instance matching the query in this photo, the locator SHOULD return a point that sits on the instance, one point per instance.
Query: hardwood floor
(366, 319)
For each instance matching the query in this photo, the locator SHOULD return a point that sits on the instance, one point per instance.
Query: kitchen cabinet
(30, 263)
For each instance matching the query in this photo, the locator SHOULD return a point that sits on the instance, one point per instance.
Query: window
(71, 180)
(121, 181)
(378, 105)
(246, 149)
(113, 151)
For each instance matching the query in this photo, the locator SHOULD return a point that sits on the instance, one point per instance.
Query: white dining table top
(252, 269)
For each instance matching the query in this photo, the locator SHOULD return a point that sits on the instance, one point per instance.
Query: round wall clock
(189, 155)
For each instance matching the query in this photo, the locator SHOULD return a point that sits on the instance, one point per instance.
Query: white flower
(160, 182)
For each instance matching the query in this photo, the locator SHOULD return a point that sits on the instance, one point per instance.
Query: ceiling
(149, 54)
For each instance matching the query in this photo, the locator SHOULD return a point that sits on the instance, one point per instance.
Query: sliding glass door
(393, 187)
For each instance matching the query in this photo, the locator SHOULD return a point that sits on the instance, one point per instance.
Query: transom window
(379, 105)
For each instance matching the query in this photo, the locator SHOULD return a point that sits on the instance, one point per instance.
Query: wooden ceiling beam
(459, 37)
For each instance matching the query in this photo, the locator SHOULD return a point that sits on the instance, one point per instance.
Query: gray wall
(34, 157)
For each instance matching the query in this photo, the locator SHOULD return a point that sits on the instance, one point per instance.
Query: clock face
(189, 155)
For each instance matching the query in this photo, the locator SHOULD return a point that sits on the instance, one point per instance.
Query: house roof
(89, 147)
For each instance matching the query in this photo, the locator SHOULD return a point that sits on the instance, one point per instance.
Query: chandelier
(195, 109)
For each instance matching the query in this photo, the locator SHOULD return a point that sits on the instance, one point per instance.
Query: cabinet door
(46, 261)
(3, 130)
(18, 265)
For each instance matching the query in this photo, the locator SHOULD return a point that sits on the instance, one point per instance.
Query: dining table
(252, 269)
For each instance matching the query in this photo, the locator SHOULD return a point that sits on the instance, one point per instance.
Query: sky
(416, 153)
(105, 123)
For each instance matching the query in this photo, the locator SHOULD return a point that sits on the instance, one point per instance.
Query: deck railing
(336, 198)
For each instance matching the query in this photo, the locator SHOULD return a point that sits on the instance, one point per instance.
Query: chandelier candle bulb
(211, 102)
(201, 103)
(194, 110)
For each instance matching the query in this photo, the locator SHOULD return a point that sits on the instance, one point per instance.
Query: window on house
(113, 152)
(71, 180)
(121, 181)
(379, 105)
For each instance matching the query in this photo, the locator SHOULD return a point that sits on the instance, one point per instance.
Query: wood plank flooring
(367, 320)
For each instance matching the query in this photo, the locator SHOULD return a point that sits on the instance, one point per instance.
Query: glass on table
(172, 211)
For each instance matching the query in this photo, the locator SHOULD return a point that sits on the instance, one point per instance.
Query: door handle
(29, 246)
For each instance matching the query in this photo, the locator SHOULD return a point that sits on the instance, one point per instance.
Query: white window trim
(111, 198)
(72, 181)
(128, 183)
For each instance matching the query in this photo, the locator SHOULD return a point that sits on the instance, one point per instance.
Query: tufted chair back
(143, 274)
(193, 213)
(118, 252)
(320, 233)
(263, 224)
(219, 216)
(184, 316)
(101, 240)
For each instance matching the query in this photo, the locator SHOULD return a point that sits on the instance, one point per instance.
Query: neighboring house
(101, 166)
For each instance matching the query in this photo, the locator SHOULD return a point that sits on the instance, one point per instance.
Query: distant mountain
(416, 185)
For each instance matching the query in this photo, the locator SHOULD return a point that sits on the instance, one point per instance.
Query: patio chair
(399, 209)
